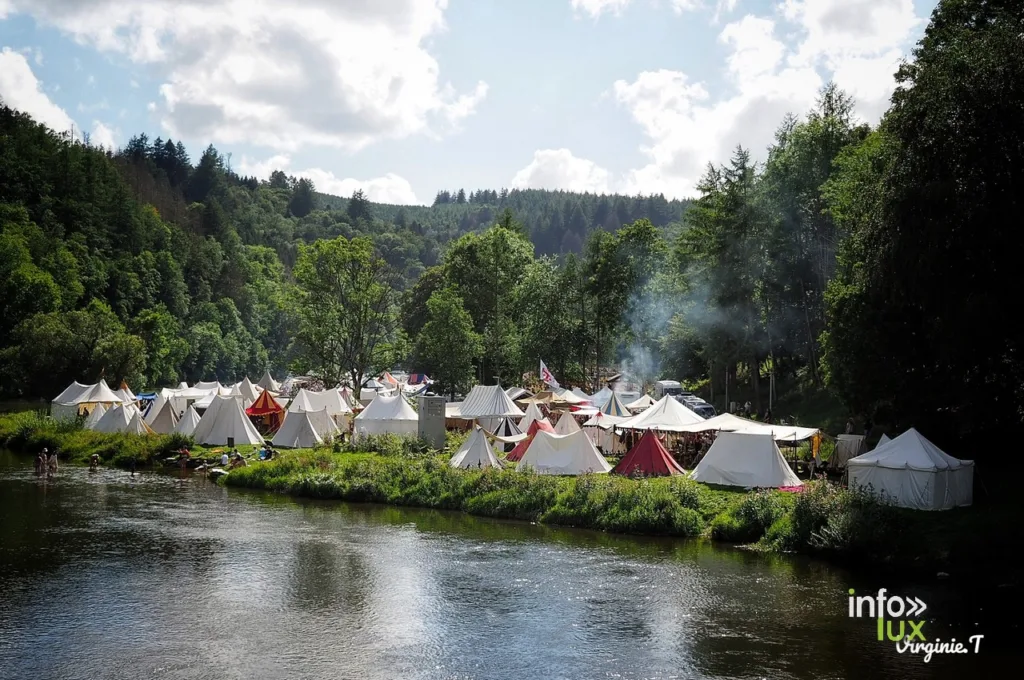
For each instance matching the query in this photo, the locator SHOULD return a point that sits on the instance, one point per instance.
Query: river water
(104, 575)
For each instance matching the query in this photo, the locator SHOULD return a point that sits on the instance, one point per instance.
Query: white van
(669, 387)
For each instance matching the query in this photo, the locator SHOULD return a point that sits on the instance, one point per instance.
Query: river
(105, 575)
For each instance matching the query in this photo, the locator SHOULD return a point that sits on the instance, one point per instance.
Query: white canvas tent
(728, 422)
(187, 423)
(745, 460)
(77, 396)
(224, 420)
(882, 440)
(518, 393)
(248, 391)
(387, 415)
(125, 395)
(164, 420)
(570, 454)
(601, 397)
(581, 394)
(95, 416)
(476, 452)
(138, 425)
(911, 472)
(667, 415)
(566, 424)
(267, 382)
(488, 401)
(506, 427)
(641, 404)
(305, 429)
(117, 419)
(533, 413)
(601, 430)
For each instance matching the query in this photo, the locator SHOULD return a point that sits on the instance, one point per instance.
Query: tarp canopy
(567, 424)
(560, 396)
(644, 402)
(614, 407)
(727, 422)
(224, 420)
(667, 415)
(476, 452)
(745, 460)
(267, 382)
(912, 472)
(648, 458)
(536, 426)
(516, 393)
(847, 446)
(187, 423)
(571, 454)
(533, 413)
(164, 419)
(387, 415)
(488, 401)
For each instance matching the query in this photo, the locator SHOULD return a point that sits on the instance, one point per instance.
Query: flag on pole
(546, 376)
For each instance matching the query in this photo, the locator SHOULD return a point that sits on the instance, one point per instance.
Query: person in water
(41, 462)
(94, 461)
(52, 463)
(131, 465)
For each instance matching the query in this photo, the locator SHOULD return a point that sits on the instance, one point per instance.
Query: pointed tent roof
(117, 419)
(164, 420)
(566, 424)
(536, 426)
(488, 401)
(307, 400)
(745, 460)
(187, 424)
(667, 415)
(570, 454)
(267, 382)
(94, 417)
(71, 393)
(600, 397)
(605, 421)
(305, 429)
(248, 390)
(157, 404)
(614, 407)
(644, 402)
(388, 408)
(138, 425)
(581, 394)
(264, 405)
(882, 440)
(99, 394)
(223, 420)
(346, 396)
(476, 452)
(648, 457)
(517, 393)
(507, 427)
(389, 379)
(208, 386)
(125, 393)
(533, 413)
(909, 451)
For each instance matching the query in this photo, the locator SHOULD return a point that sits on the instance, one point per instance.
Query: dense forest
(873, 262)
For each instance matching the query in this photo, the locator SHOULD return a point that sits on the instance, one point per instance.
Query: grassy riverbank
(825, 520)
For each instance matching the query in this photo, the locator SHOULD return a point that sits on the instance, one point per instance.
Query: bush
(751, 519)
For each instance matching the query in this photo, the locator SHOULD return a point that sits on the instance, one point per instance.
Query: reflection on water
(105, 575)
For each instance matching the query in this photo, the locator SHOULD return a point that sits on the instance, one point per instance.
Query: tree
(447, 345)
(359, 207)
(348, 323)
(303, 201)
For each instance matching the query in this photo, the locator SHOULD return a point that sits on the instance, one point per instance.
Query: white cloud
(280, 75)
(134, 84)
(596, 8)
(91, 79)
(103, 136)
(20, 89)
(390, 188)
(559, 169)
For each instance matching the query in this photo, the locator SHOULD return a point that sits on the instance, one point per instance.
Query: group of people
(46, 462)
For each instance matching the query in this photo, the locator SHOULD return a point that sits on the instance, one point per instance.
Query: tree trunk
(755, 380)
(811, 354)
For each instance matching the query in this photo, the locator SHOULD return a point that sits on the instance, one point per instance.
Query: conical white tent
(566, 424)
(601, 397)
(95, 416)
(224, 420)
(476, 452)
(644, 402)
(912, 472)
(533, 413)
(488, 401)
(154, 408)
(667, 415)
(248, 391)
(77, 396)
(138, 425)
(882, 440)
(581, 394)
(614, 407)
(745, 460)
(387, 415)
(164, 420)
(116, 419)
(506, 427)
(267, 382)
(125, 395)
(299, 431)
(187, 423)
(570, 454)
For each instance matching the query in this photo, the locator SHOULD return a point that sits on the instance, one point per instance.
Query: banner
(546, 376)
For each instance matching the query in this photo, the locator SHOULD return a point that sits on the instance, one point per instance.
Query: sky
(403, 98)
